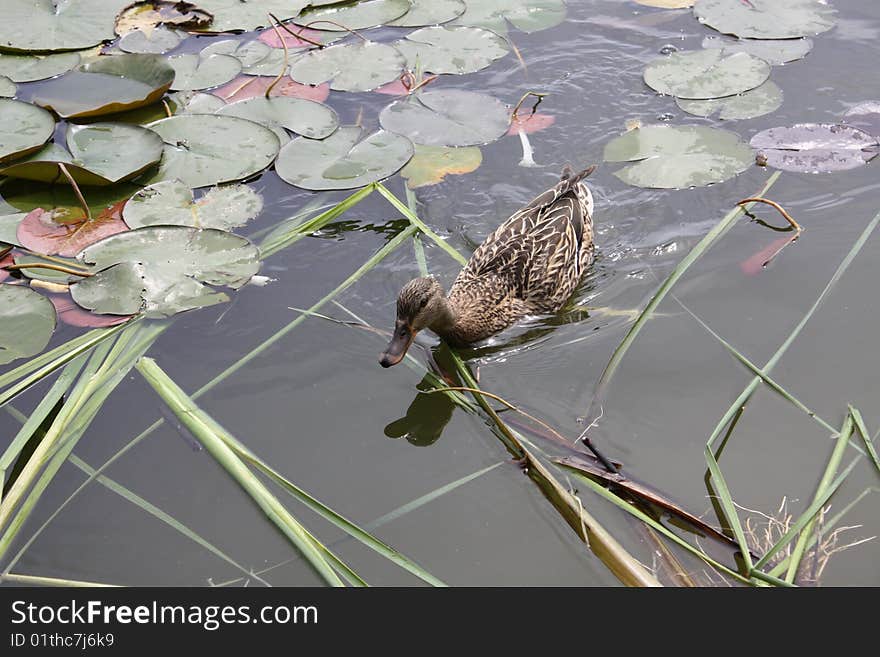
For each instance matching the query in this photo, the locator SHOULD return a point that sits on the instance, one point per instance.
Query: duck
(531, 264)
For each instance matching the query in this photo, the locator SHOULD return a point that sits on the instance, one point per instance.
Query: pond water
(317, 406)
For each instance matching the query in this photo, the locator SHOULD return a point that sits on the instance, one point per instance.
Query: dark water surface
(317, 406)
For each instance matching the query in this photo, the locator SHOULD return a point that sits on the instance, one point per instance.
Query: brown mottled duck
(530, 265)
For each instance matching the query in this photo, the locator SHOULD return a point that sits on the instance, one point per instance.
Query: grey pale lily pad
(46, 25)
(9, 227)
(206, 149)
(343, 160)
(430, 12)
(194, 72)
(756, 102)
(255, 56)
(359, 66)
(447, 118)
(816, 147)
(159, 40)
(525, 15)
(865, 116)
(194, 102)
(29, 68)
(766, 19)
(772, 51)
(163, 270)
(354, 16)
(455, 50)
(674, 157)
(107, 85)
(24, 128)
(238, 16)
(171, 203)
(28, 321)
(7, 87)
(304, 117)
(706, 74)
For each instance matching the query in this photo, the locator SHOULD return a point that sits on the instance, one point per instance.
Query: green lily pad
(159, 40)
(7, 87)
(455, 50)
(304, 117)
(755, 102)
(766, 19)
(256, 57)
(44, 25)
(194, 72)
(24, 128)
(9, 228)
(28, 321)
(29, 68)
(354, 16)
(238, 16)
(447, 117)
(149, 15)
(706, 74)
(357, 66)
(430, 12)
(431, 164)
(673, 157)
(163, 270)
(525, 15)
(96, 154)
(194, 102)
(772, 51)
(343, 160)
(107, 85)
(50, 275)
(206, 149)
(171, 203)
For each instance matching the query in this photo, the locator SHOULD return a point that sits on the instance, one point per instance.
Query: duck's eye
(423, 303)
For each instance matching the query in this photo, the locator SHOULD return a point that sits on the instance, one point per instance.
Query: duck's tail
(572, 178)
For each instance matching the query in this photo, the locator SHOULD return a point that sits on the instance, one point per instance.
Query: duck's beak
(397, 347)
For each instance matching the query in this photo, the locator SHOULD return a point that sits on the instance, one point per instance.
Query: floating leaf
(9, 228)
(766, 19)
(865, 116)
(250, 54)
(672, 157)
(72, 315)
(206, 149)
(238, 16)
(194, 102)
(525, 15)
(247, 86)
(430, 12)
(28, 68)
(157, 41)
(43, 25)
(5, 261)
(24, 128)
(107, 85)
(98, 154)
(171, 203)
(28, 321)
(194, 72)
(530, 123)
(343, 160)
(816, 147)
(772, 51)
(25, 196)
(756, 102)
(359, 66)
(706, 74)
(293, 42)
(148, 17)
(667, 4)
(7, 87)
(49, 275)
(455, 50)
(39, 231)
(356, 16)
(304, 117)
(447, 118)
(431, 164)
(163, 270)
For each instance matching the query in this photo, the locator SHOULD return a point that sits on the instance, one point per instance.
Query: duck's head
(420, 304)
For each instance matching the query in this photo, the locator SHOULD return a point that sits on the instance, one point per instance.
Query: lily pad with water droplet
(448, 117)
(525, 15)
(674, 157)
(206, 149)
(194, 72)
(29, 68)
(106, 85)
(865, 116)
(766, 19)
(96, 154)
(816, 147)
(357, 66)
(157, 41)
(705, 74)
(28, 321)
(772, 51)
(304, 117)
(354, 16)
(24, 128)
(455, 50)
(171, 203)
(343, 160)
(47, 25)
(238, 16)
(755, 102)
(430, 12)
(163, 270)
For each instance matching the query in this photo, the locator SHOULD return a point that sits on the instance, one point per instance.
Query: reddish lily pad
(247, 86)
(73, 315)
(530, 123)
(39, 231)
